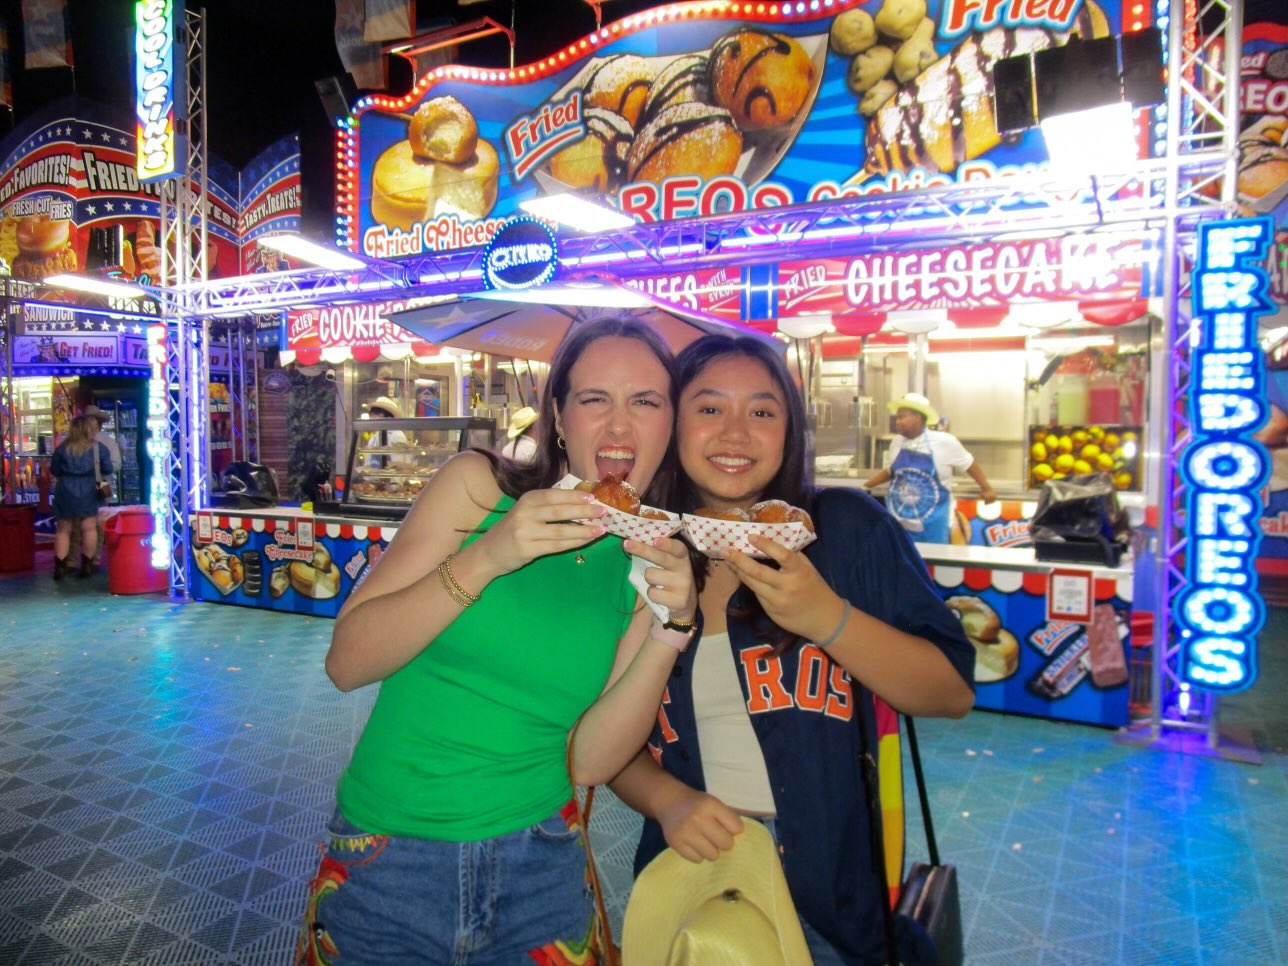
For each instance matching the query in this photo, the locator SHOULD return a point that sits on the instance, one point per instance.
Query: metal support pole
(9, 442)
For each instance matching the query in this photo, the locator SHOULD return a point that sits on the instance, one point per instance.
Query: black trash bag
(247, 485)
(1078, 520)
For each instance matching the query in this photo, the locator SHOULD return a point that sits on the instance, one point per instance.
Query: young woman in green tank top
(497, 619)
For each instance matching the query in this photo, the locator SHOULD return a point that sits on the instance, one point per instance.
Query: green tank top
(466, 741)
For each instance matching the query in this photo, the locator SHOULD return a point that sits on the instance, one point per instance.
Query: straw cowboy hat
(918, 404)
(521, 420)
(92, 410)
(388, 405)
(734, 911)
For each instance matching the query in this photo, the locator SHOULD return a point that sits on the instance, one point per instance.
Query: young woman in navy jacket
(769, 683)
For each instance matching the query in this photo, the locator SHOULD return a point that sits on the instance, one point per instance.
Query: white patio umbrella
(530, 324)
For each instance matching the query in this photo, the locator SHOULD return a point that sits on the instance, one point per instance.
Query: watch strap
(672, 637)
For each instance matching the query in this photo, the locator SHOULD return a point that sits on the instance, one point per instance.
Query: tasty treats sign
(699, 108)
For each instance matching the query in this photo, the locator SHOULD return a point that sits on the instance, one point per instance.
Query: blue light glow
(158, 447)
(1220, 612)
(522, 254)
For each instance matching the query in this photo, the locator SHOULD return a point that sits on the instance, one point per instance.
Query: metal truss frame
(184, 234)
(1203, 107)
(1137, 199)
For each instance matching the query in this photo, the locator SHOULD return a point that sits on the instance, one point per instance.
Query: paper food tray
(627, 525)
(716, 538)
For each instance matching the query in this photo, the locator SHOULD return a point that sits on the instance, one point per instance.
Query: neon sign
(522, 254)
(1218, 615)
(159, 447)
(158, 88)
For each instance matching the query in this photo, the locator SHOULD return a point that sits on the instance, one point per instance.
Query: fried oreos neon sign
(1218, 615)
(522, 253)
(157, 88)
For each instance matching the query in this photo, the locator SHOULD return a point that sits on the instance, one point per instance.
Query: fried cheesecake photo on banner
(442, 167)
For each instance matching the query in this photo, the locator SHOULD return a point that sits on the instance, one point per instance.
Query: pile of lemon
(1057, 454)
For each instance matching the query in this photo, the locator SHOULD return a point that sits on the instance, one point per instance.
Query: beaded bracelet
(831, 638)
(454, 590)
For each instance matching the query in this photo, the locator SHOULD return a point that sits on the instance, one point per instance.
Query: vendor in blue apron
(922, 461)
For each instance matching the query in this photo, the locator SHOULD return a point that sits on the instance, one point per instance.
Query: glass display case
(391, 460)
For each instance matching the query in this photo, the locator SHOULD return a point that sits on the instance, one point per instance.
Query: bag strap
(926, 821)
(608, 954)
(98, 469)
(876, 832)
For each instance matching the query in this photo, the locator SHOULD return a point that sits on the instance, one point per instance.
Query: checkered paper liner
(716, 538)
(627, 525)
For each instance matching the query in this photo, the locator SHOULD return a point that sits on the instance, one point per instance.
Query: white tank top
(732, 762)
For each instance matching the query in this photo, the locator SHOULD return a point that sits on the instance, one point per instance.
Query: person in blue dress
(76, 493)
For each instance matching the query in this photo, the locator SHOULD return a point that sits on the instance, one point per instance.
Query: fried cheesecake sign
(689, 110)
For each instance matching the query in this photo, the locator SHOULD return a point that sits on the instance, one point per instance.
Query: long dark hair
(547, 465)
(792, 482)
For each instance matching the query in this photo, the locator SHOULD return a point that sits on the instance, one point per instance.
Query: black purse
(928, 895)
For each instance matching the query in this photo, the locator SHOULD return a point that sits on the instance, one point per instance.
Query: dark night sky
(263, 59)
(264, 56)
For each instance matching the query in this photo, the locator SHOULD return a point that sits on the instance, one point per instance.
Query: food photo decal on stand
(997, 653)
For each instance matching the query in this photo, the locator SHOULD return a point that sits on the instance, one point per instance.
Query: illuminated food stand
(756, 184)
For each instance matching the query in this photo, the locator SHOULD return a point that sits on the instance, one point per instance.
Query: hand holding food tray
(644, 524)
(715, 533)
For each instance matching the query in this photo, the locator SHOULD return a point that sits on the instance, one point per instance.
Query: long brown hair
(547, 465)
(78, 436)
(792, 482)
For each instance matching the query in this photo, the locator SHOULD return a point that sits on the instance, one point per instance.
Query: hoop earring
(559, 441)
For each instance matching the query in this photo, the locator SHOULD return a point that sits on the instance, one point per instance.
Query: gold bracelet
(447, 582)
(447, 566)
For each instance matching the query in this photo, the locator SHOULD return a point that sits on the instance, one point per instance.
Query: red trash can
(128, 534)
(17, 537)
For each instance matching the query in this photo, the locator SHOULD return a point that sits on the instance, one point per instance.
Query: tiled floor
(165, 771)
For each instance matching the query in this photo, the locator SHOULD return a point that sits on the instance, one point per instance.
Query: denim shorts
(515, 900)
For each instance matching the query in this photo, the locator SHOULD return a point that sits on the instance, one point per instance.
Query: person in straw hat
(735, 911)
(522, 445)
(922, 461)
(759, 718)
